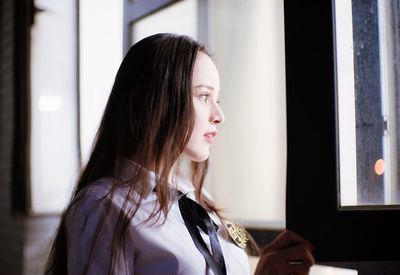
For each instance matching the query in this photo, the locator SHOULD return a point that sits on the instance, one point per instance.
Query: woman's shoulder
(104, 197)
(90, 200)
(97, 189)
(105, 189)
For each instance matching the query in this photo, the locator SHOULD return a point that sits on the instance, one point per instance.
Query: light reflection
(49, 103)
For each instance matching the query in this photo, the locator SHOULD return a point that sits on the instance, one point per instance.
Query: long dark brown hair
(148, 119)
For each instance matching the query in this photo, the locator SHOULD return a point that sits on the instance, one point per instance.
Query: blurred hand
(289, 253)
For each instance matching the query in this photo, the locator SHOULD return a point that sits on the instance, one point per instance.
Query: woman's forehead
(205, 73)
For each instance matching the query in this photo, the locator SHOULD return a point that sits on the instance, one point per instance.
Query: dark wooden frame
(367, 234)
(23, 19)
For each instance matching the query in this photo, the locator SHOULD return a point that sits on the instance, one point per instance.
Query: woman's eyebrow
(204, 86)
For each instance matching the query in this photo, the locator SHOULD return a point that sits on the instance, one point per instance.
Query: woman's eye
(204, 97)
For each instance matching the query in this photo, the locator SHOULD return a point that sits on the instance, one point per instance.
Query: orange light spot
(379, 167)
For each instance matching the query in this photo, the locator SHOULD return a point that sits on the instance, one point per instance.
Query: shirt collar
(183, 185)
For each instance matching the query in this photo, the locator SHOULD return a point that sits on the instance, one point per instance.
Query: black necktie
(196, 216)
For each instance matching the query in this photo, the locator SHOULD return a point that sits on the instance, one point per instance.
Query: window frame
(312, 203)
(134, 11)
(21, 189)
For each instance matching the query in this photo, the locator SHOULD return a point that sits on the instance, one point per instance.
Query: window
(54, 147)
(314, 166)
(367, 77)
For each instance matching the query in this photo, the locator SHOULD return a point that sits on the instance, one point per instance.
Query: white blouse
(150, 248)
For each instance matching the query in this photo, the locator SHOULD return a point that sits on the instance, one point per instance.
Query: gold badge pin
(237, 233)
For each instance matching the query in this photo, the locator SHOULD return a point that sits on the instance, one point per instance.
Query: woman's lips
(210, 136)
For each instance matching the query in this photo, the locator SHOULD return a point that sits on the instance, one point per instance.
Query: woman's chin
(196, 156)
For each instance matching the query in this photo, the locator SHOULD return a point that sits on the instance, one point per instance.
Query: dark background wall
(11, 228)
(24, 241)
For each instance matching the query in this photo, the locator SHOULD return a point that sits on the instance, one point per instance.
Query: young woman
(134, 211)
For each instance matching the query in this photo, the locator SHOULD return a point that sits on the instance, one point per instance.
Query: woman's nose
(217, 116)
